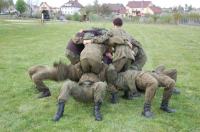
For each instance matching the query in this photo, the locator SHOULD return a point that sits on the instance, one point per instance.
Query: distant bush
(37, 15)
(68, 17)
(165, 19)
(95, 17)
(75, 17)
(175, 18)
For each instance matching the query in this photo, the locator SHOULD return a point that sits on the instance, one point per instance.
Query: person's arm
(102, 39)
(78, 38)
(134, 42)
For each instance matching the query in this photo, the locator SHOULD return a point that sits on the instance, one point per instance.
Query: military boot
(97, 114)
(176, 91)
(114, 98)
(147, 110)
(164, 107)
(60, 111)
(127, 95)
(44, 93)
(136, 94)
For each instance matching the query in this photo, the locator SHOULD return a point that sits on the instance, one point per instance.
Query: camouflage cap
(88, 36)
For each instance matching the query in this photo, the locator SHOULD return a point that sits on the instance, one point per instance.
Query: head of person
(117, 22)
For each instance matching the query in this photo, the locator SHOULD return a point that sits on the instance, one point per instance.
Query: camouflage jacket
(122, 50)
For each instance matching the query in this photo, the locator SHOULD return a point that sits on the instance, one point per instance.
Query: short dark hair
(118, 22)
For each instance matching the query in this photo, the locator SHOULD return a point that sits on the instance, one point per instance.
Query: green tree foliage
(104, 10)
(76, 17)
(96, 9)
(176, 15)
(96, 6)
(21, 6)
(155, 18)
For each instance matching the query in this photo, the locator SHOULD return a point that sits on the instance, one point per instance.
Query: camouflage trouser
(139, 62)
(40, 73)
(149, 82)
(172, 73)
(74, 58)
(122, 64)
(83, 93)
(89, 65)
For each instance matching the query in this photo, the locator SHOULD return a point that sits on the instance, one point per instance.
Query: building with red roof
(141, 8)
(118, 9)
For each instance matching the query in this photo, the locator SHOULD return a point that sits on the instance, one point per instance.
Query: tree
(5, 4)
(1, 4)
(10, 2)
(180, 9)
(96, 6)
(21, 6)
(190, 8)
(104, 10)
(30, 6)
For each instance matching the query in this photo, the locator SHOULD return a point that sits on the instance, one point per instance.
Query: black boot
(164, 107)
(60, 111)
(147, 110)
(114, 98)
(97, 114)
(127, 95)
(44, 93)
(136, 94)
(176, 91)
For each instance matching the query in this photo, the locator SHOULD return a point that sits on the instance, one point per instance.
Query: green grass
(26, 43)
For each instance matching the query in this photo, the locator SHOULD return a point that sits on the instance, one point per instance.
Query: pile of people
(105, 61)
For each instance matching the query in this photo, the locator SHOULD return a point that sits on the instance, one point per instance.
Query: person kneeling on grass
(89, 88)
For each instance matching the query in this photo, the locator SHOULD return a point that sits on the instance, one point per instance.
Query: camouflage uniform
(75, 45)
(123, 55)
(172, 73)
(89, 88)
(59, 72)
(74, 48)
(140, 57)
(92, 55)
(144, 81)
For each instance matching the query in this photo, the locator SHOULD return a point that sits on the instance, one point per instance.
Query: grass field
(26, 43)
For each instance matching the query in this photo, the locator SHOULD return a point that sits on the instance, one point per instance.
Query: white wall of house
(148, 11)
(69, 10)
(44, 7)
(142, 10)
(132, 11)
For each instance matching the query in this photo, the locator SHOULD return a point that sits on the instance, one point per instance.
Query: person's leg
(172, 73)
(32, 70)
(99, 89)
(39, 77)
(168, 84)
(114, 93)
(65, 93)
(148, 83)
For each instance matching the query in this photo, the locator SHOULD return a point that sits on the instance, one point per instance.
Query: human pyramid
(105, 61)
